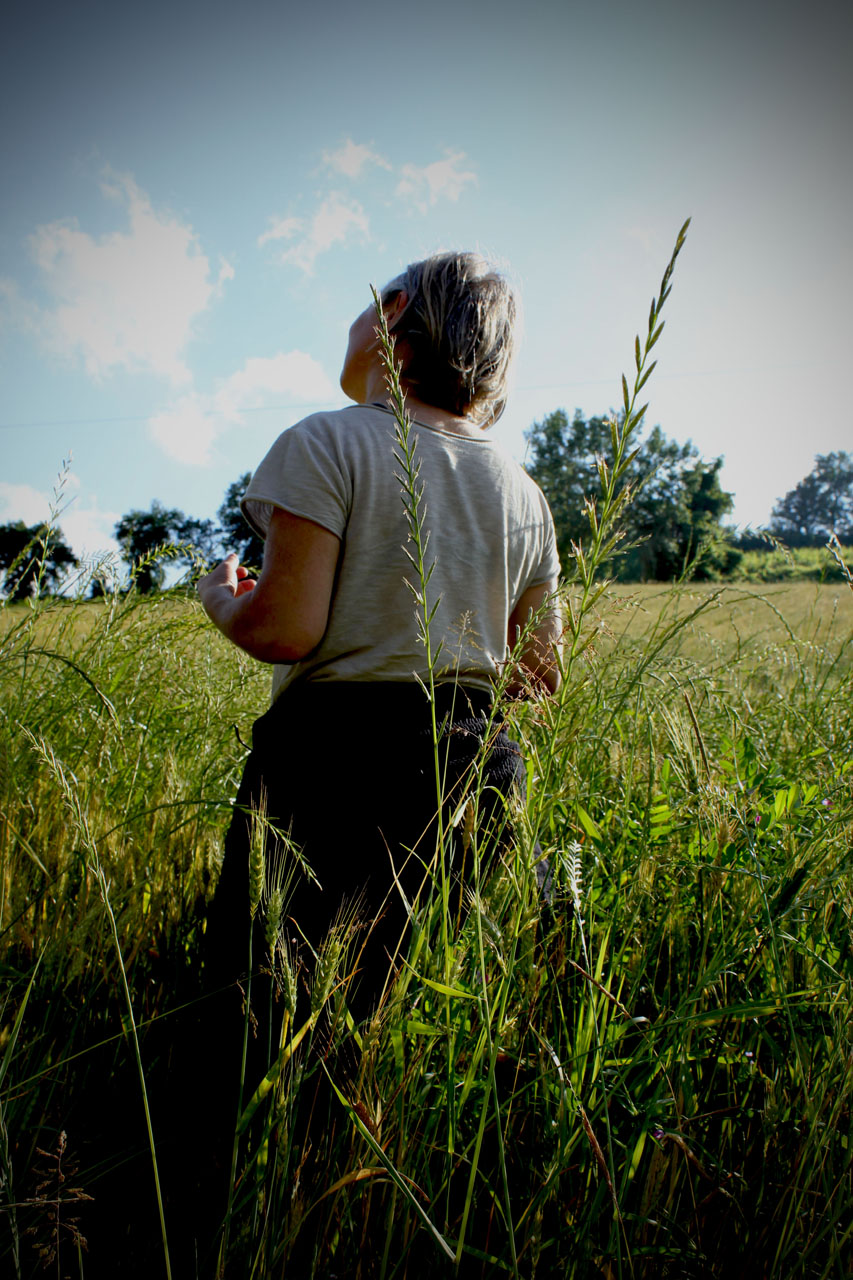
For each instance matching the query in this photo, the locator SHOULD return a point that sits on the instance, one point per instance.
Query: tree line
(35, 558)
(673, 525)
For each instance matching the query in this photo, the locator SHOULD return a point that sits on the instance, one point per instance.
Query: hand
(283, 616)
(224, 583)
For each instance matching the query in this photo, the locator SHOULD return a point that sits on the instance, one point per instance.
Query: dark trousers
(348, 771)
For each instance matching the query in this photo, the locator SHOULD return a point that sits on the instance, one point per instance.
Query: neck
(430, 415)
(374, 390)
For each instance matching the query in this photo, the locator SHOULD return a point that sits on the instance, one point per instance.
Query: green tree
(674, 519)
(821, 504)
(673, 522)
(141, 536)
(236, 534)
(34, 558)
(201, 535)
(562, 461)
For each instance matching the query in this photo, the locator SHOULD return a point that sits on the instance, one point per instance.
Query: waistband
(377, 697)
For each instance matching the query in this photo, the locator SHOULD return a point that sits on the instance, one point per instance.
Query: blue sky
(196, 198)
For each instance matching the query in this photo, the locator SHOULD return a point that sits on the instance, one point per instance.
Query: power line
(145, 417)
(313, 404)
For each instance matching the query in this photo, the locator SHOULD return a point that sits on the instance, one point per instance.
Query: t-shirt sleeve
(549, 563)
(303, 473)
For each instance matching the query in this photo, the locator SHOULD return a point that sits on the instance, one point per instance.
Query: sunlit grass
(651, 1076)
(732, 613)
(674, 1082)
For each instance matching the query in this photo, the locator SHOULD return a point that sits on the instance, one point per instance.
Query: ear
(394, 308)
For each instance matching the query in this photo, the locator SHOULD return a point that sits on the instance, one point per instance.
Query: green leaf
(395, 1035)
(19, 1018)
(657, 333)
(590, 827)
(445, 990)
(637, 1152)
(625, 396)
(399, 1181)
(750, 1009)
(647, 374)
(635, 418)
(271, 1076)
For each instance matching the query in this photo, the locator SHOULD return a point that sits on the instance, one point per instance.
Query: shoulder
(522, 482)
(308, 471)
(338, 422)
(325, 445)
(337, 432)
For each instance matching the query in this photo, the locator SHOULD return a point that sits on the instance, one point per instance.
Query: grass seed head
(327, 969)
(272, 917)
(287, 974)
(257, 861)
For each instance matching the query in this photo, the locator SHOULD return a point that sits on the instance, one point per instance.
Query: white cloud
(291, 373)
(15, 310)
(443, 179)
(335, 222)
(338, 219)
(187, 429)
(280, 229)
(86, 529)
(351, 159)
(22, 502)
(126, 299)
(89, 531)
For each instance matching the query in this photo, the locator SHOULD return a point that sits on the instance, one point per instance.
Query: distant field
(732, 617)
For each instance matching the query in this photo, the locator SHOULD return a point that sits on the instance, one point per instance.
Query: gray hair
(455, 337)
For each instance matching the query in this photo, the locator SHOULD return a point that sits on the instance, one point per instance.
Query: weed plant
(648, 1074)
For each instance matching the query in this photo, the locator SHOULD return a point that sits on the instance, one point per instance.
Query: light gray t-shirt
(491, 537)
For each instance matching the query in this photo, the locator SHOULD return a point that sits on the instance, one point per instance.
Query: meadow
(646, 1073)
(667, 1056)
(728, 620)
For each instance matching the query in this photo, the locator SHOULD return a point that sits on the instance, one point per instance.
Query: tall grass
(649, 1076)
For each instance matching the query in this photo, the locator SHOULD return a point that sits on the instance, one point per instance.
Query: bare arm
(282, 616)
(537, 659)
